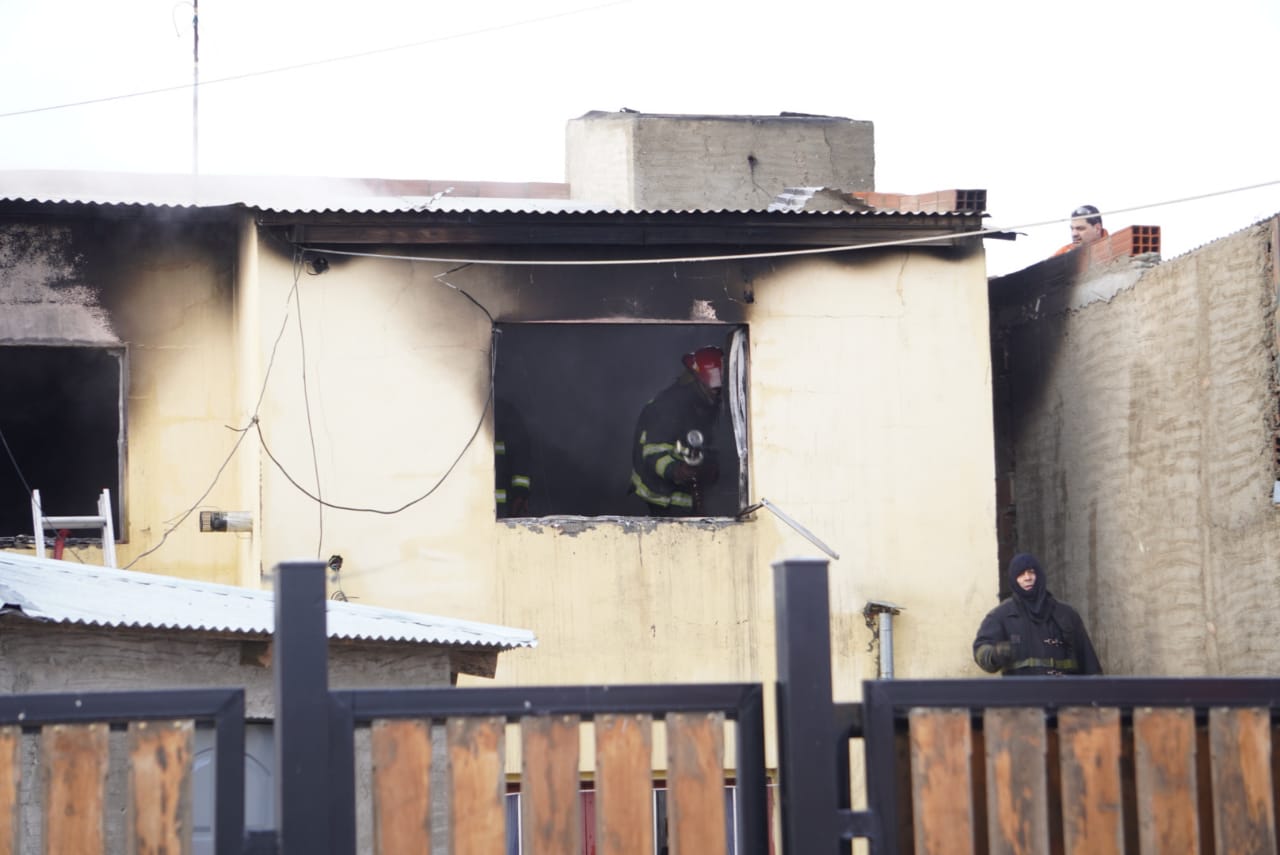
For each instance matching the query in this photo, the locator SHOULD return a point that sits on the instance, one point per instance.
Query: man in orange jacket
(1086, 227)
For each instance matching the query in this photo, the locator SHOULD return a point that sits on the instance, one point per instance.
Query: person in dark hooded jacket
(1032, 633)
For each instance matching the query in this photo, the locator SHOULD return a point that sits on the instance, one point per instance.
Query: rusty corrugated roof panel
(67, 592)
(836, 200)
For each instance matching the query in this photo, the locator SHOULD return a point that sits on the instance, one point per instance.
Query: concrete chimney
(654, 162)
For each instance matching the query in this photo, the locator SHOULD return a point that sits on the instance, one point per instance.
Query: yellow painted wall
(165, 288)
(870, 410)
(870, 423)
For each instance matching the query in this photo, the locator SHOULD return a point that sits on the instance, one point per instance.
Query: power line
(318, 62)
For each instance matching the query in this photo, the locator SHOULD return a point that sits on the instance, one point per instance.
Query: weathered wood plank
(160, 778)
(10, 780)
(695, 784)
(1017, 799)
(550, 811)
(1092, 811)
(477, 812)
(624, 784)
(941, 785)
(401, 751)
(1240, 751)
(1165, 768)
(74, 763)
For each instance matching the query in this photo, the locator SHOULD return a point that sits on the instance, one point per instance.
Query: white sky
(1045, 105)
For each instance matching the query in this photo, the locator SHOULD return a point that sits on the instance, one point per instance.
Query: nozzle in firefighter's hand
(684, 473)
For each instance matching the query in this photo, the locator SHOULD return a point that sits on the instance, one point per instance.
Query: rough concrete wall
(1144, 460)
(714, 162)
(35, 659)
(599, 162)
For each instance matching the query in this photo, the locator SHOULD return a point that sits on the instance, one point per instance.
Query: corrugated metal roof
(281, 193)
(68, 592)
(298, 195)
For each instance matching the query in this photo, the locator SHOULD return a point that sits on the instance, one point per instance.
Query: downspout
(881, 613)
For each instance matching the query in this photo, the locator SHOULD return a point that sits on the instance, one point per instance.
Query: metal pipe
(886, 645)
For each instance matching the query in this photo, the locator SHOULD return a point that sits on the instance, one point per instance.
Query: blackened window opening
(567, 401)
(61, 415)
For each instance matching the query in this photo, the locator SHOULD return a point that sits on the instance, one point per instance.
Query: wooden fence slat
(10, 779)
(160, 776)
(624, 784)
(401, 750)
(1017, 796)
(1165, 769)
(550, 810)
(695, 784)
(941, 785)
(1092, 810)
(477, 810)
(74, 763)
(1240, 751)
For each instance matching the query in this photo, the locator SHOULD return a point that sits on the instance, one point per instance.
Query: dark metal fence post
(807, 755)
(302, 725)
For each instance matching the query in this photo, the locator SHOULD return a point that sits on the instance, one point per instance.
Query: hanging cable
(488, 403)
(298, 262)
(170, 530)
(244, 431)
(440, 277)
(16, 467)
(780, 253)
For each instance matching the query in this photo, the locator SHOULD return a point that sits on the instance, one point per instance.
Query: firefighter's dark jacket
(1057, 645)
(666, 419)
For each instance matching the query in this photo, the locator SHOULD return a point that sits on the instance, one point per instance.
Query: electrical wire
(440, 277)
(244, 431)
(317, 62)
(488, 403)
(16, 467)
(298, 260)
(183, 518)
(781, 253)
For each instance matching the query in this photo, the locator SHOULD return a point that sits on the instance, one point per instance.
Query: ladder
(102, 522)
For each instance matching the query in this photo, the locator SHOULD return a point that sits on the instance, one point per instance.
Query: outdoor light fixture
(318, 263)
(226, 521)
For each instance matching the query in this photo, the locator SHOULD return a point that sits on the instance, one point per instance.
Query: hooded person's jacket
(1032, 633)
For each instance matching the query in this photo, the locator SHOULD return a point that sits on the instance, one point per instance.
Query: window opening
(63, 420)
(568, 401)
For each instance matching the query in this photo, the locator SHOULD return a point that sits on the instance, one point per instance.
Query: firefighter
(511, 454)
(672, 457)
(1032, 633)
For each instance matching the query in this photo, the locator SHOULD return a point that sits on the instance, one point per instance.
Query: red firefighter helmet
(707, 364)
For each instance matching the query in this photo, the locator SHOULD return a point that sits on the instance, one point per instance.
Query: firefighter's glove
(683, 473)
(994, 657)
